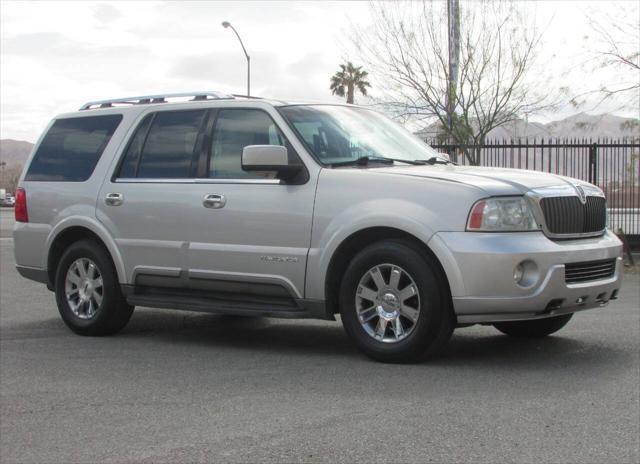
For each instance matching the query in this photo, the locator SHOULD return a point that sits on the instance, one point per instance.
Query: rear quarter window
(71, 148)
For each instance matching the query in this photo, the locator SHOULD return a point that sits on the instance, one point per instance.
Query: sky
(54, 56)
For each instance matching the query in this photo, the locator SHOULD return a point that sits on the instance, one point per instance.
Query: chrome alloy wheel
(84, 288)
(387, 303)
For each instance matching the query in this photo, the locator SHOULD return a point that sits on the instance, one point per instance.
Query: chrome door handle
(114, 199)
(214, 201)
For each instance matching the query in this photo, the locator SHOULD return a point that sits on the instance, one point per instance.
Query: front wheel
(87, 291)
(536, 328)
(393, 303)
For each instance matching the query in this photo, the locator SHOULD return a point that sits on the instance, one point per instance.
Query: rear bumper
(484, 264)
(32, 273)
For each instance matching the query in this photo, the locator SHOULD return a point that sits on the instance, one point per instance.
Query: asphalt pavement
(187, 387)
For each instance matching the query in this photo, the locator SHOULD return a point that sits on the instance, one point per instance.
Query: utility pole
(453, 21)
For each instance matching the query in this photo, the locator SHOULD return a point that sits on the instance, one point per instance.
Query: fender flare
(360, 217)
(99, 230)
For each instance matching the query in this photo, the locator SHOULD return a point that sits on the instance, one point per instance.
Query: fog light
(526, 274)
(518, 273)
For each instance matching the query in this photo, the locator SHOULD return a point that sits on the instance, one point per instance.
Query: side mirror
(269, 158)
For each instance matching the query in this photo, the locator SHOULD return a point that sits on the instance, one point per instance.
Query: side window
(129, 164)
(234, 130)
(71, 149)
(168, 151)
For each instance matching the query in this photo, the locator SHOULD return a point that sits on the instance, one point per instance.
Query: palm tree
(348, 79)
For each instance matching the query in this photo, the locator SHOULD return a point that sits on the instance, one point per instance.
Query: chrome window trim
(198, 180)
(214, 180)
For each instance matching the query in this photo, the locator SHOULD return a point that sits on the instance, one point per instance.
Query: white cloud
(56, 55)
(106, 13)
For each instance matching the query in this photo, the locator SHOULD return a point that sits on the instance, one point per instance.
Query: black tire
(113, 312)
(536, 328)
(435, 322)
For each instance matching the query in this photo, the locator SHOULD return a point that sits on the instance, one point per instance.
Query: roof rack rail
(162, 98)
(249, 97)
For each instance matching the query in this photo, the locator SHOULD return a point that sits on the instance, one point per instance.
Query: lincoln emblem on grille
(581, 194)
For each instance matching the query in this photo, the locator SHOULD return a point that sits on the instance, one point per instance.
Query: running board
(225, 303)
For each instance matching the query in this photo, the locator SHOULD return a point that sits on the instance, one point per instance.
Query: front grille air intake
(569, 216)
(589, 270)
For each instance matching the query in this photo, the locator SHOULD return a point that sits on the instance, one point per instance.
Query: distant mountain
(14, 151)
(602, 126)
(581, 125)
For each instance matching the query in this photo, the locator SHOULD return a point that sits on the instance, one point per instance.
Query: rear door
(150, 202)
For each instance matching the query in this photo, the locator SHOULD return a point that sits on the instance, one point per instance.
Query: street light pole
(227, 24)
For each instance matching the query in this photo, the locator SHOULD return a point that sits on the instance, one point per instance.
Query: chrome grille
(589, 270)
(569, 216)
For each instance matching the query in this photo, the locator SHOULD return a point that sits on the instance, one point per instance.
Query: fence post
(593, 163)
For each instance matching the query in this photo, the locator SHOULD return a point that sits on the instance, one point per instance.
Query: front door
(251, 228)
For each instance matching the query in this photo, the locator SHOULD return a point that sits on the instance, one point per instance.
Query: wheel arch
(355, 242)
(72, 231)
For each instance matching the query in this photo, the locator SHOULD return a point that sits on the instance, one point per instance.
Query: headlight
(502, 214)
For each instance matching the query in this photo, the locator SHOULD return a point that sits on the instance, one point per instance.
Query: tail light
(20, 208)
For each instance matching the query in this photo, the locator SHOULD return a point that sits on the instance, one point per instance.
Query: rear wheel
(536, 328)
(393, 303)
(87, 291)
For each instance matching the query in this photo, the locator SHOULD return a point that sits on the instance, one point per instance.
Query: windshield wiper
(436, 160)
(365, 160)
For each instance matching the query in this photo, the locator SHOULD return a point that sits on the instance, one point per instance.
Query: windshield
(339, 134)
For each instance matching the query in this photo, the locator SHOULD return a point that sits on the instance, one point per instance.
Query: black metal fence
(613, 165)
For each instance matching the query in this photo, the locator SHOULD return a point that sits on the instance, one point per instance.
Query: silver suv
(256, 207)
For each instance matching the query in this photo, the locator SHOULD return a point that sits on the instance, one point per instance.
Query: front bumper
(480, 268)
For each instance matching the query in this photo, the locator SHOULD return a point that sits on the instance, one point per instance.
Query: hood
(495, 181)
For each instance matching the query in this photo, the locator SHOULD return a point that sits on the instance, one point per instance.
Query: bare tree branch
(406, 48)
(615, 44)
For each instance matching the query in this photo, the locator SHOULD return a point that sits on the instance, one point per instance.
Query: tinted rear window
(129, 164)
(169, 149)
(71, 149)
